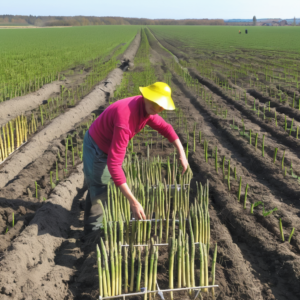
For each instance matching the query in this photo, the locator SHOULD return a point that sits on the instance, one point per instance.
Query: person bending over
(105, 143)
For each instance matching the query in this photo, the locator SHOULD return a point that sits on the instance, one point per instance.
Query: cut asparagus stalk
(99, 271)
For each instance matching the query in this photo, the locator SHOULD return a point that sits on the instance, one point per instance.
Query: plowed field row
(257, 237)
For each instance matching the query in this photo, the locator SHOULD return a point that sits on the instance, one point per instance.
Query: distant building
(283, 23)
(274, 23)
(267, 24)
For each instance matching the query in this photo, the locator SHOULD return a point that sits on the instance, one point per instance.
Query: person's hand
(137, 210)
(182, 156)
(184, 163)
(136, 207)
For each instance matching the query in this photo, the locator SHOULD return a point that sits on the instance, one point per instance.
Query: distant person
(246, 31)
(239, 32)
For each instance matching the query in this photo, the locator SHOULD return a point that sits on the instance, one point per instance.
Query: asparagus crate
(131, 232)
(175, 226)
(160, 292)
(127, 270)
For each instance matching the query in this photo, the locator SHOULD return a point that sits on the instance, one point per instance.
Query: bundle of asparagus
(117, 225)
(182, 258)
(110, 268)
(171, 219)
(13, 134)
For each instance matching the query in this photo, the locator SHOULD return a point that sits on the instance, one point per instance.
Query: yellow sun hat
(160, 93)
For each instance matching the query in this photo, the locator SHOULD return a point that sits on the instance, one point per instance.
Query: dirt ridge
(241, 144)
(24, 269)
(282, 108)
(286, 139)
(20, 105)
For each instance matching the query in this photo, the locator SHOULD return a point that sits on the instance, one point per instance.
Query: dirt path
(15, 107)
(65, 122)
(28, 270)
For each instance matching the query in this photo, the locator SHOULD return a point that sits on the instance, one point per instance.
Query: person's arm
(136, 207)
(182, 157)
(165, 129)
(116, 154)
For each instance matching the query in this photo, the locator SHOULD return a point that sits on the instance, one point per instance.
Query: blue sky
(155, 9)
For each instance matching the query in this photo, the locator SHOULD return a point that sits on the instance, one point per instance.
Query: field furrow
(243, 227)
(277, 132)
(284, 108)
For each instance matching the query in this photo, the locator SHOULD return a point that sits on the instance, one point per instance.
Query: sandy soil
(28, 270)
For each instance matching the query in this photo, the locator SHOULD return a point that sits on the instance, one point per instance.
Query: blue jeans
(96, 178)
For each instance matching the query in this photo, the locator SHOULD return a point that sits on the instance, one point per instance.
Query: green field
(266, 58)
(227, 38)
(32, 57)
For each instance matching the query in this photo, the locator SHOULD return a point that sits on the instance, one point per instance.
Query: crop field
(231, 220)
(31, 58)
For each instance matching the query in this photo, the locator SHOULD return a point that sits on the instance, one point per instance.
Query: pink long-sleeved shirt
(113, 129)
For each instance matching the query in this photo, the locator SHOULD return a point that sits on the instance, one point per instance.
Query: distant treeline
(84, 21)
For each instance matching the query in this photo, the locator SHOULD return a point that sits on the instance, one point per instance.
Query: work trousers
(96, 178)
